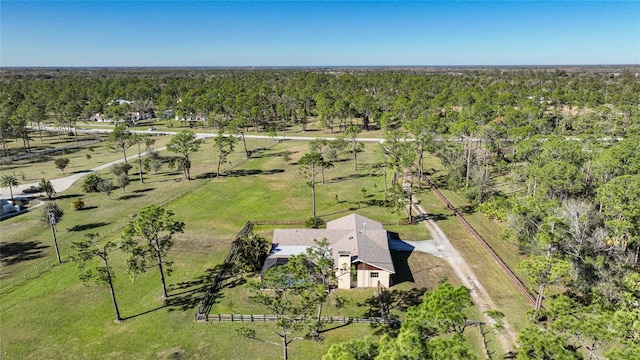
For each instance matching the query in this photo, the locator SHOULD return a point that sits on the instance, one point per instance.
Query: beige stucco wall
(365, 279)
(344, 279)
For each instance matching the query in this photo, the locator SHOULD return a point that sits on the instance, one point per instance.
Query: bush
(32, 190)
(90, 184)
(497, 208)
(77, 204)
(315, 223)
(121, 168)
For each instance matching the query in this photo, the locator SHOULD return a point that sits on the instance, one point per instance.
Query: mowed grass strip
(505, 295)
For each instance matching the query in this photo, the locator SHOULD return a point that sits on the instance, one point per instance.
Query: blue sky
(297, 33)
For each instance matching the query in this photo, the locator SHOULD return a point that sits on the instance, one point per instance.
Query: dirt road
(444, 249)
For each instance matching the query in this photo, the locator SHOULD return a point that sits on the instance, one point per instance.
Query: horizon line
(303, 66)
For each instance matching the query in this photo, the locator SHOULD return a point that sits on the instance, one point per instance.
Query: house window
(374, 274)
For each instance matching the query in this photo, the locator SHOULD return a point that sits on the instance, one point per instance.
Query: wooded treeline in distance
(555, 153)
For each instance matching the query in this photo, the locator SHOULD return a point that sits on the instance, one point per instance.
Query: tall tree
(148, 238)
(9, 181)
(47, 188)
(120, 139)
(620, 206)
(51, 215)
(310, 165)
(352, 133)
(292, 295)
(356, 349)
(432, 329)
(536, 343)
(224, 146)
(252, 250)
(89, 248)
(185, 142)
(140, 140)
(320, 255)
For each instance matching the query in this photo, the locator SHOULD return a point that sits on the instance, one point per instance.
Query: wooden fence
(278, 222)
(207, 302)
(268, 318)
(483, 243)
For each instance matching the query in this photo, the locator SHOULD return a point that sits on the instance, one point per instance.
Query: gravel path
(441, 247)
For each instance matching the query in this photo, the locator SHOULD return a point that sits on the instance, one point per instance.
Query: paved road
(213, 134)
(59, 184)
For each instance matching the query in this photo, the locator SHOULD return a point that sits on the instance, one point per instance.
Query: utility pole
(52, 221)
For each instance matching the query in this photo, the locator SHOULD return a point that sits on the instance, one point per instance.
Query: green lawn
(33, 169)
(56, 316)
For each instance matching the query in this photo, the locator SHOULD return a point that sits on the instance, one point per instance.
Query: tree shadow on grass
(37, 159)
(15, 252)
(143, 190)
(69, 196)
(188, 295)
(284, 153)
(239, 173)
(130, 196)
(399, 300)
(348, 177)
(90, 226)
(322, 331)
(467, 209)
(88, 208)
(144, 312)
(434, 217)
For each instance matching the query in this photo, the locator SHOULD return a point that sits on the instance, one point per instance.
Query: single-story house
(192, 117)
(360, 248)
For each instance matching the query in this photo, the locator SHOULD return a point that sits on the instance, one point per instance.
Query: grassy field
(33, 169)
(57, 316)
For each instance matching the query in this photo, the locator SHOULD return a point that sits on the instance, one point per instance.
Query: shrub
(61, 163)
(77, 204)
(315, 223)
(32, 190)
(91, 182)
(121, 168)
(497, 208)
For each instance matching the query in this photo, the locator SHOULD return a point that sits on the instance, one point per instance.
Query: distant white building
(192, 118)
(360, 248)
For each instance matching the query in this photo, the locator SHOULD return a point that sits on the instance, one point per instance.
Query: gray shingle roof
(365, 239)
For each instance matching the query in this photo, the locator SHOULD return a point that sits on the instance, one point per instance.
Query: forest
(554, 153)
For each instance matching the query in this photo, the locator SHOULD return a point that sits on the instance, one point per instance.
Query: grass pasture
(32, 169)
(57, 316)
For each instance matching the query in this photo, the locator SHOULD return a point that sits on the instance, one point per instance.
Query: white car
(153, 128)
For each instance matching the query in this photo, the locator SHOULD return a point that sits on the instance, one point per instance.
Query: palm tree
(9, 181)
